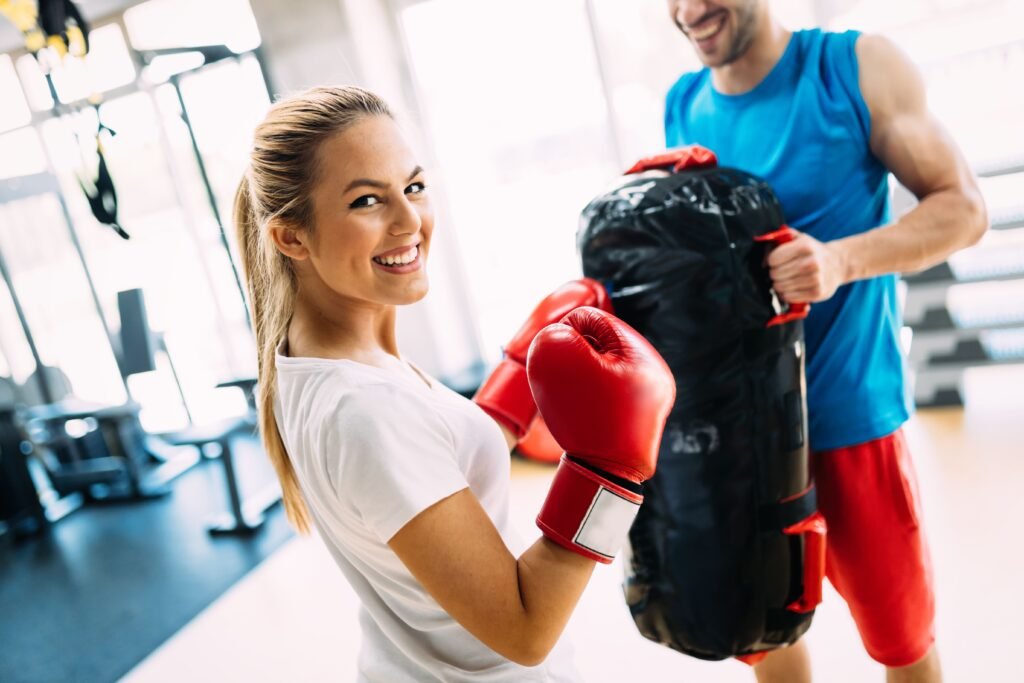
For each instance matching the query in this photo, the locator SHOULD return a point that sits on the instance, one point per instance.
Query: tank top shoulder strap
(835, 55)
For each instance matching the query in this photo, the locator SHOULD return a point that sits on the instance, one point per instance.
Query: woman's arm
(510, 437)
(605, 394)
(517, 607)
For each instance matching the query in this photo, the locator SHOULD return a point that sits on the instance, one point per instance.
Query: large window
(175, 254)
(969, 51)
(519, 121)
(14, 113)
(51, 285)
(533, 109)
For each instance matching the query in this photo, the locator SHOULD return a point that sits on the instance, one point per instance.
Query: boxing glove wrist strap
(586, 512)
(505, 395)
(638, 489)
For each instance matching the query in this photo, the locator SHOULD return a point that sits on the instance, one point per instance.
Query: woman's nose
(407, 220)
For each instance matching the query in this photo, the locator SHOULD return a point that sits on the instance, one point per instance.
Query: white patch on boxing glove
(606, 523)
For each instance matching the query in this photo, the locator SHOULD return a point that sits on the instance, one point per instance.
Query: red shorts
(877, 556)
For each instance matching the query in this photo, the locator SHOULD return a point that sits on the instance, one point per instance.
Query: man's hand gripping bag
(727, 554)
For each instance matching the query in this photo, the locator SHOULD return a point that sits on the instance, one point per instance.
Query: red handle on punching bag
(691, 156)
(813, 530)
(753, 659)
(793, 311)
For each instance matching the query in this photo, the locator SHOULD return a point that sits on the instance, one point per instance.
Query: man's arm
(912, 144)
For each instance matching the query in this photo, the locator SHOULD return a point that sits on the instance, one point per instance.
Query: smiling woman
(407, 481)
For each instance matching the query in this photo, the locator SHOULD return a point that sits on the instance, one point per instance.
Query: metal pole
(114, 342)
(176, 82)
(44, 387)
(177, 182)
(602, 70)
(268, 80)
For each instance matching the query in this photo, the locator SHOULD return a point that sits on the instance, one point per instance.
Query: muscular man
(824, 118)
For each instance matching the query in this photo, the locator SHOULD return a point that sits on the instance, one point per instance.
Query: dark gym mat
(110, 583)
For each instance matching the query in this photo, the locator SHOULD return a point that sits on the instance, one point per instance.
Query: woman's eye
(364, 201)
(416, 188)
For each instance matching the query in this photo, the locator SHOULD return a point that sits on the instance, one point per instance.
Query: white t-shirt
(373, 448)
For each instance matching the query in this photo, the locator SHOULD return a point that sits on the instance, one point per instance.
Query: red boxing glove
(538, 444)
(505, 395)
(605, 394)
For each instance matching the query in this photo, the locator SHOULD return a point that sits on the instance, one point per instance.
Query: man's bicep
(905, 136)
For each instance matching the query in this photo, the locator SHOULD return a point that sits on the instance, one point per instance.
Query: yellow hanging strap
(76, 41)
(56, 43)
(25, 16)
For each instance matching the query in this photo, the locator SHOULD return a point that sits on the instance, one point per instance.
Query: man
(824, 118)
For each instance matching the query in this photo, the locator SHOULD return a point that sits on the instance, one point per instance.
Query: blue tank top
(805, 129)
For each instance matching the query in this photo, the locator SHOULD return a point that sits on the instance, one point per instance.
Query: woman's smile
(400, 260)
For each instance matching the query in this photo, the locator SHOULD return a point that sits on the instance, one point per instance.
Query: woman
(405, 480)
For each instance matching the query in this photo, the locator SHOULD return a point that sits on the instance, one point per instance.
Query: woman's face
(373, 216)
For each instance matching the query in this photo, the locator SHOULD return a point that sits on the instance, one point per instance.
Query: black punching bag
(727, 553)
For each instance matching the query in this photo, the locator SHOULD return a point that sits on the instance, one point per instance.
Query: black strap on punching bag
(778, 516)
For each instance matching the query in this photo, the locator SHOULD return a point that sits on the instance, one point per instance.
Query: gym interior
(142, 537)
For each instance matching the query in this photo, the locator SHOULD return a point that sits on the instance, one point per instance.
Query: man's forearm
(943, 223)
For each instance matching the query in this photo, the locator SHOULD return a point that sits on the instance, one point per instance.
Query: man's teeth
(398, 259)
(709, 30)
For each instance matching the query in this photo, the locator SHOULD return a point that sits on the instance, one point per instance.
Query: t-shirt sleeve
(389, 456)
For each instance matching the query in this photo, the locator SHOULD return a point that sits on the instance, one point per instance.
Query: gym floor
(111, 582)
(294, 618)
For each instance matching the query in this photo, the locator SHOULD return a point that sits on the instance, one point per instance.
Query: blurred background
(139, 522)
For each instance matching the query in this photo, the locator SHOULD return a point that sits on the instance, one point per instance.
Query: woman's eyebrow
(379, 183)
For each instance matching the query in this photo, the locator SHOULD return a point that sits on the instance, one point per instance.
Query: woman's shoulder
(325, 395)
(362, 404)
(369, 398)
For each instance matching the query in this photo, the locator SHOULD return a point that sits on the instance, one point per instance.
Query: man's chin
(712, 61)
(720, 57)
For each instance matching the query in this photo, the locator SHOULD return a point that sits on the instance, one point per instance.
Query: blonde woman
(405, 480)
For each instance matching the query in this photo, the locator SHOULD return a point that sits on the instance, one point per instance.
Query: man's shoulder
(828, 43)
(820, 35)
(830, 58)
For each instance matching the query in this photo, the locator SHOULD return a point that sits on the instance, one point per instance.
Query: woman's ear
(290, 239)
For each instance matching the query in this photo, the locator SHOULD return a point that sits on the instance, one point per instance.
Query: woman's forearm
(551, 581)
